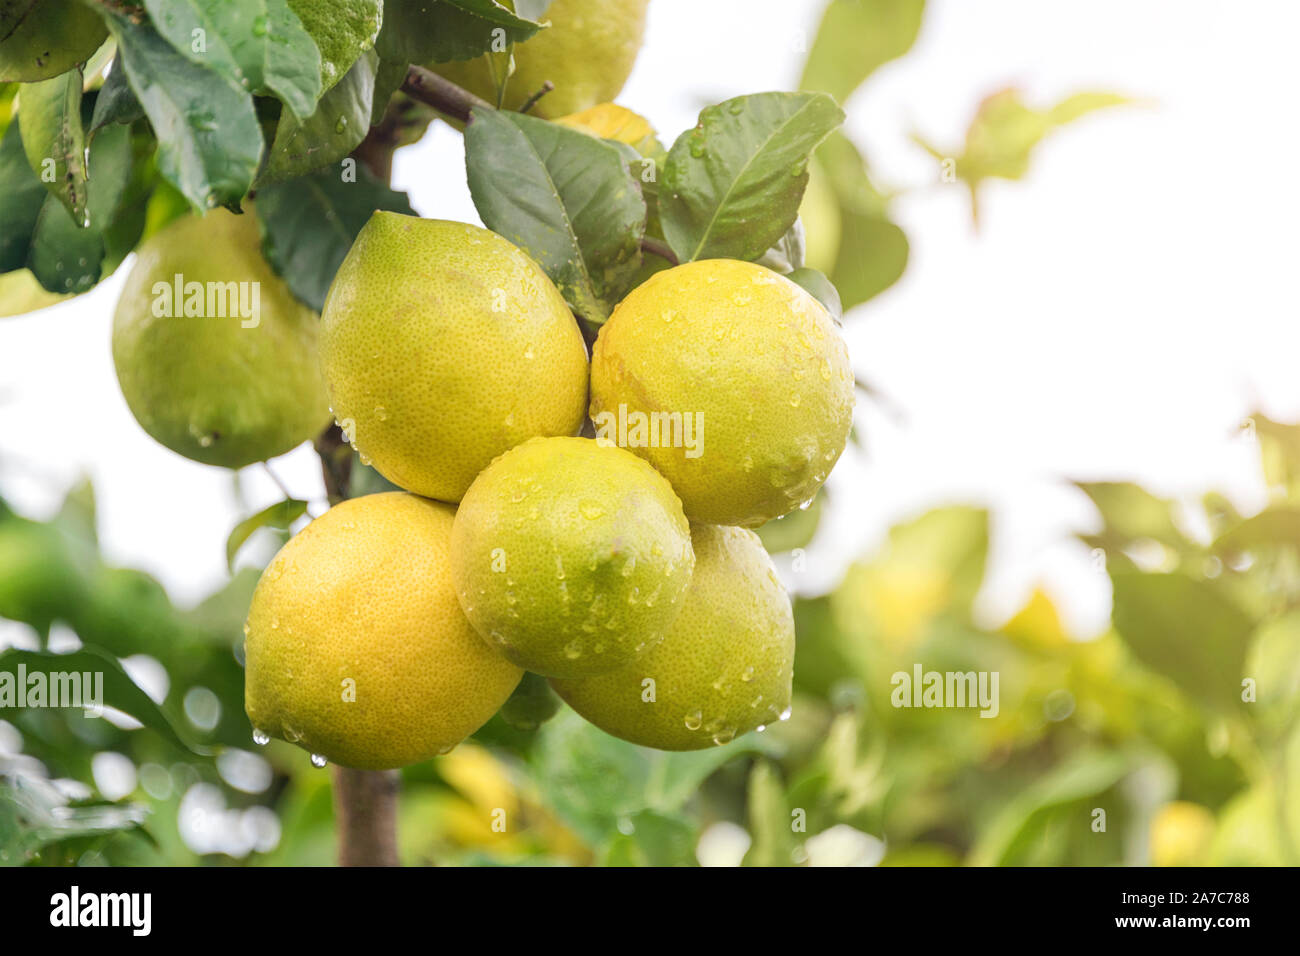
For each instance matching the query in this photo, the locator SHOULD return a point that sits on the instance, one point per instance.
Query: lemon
(1181, 834)
(725, 666)
(587, 52)
(40, 39)
(21, 293)
(732, 381)
(356, 648)
(570, 556)
(443, 345)
(226, 372)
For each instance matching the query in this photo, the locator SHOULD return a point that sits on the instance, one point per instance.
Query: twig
(532, 100)
(658, 248)
(443, 95)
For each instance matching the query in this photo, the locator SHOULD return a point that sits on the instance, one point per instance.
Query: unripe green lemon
(587, 52)
(40, 39)
(443, 345)
(571, 557)
(739, 382)
(200, 376)
(356, 647)
(724, 668)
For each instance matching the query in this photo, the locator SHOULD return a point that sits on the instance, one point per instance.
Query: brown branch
(443, 95)
(365, 816)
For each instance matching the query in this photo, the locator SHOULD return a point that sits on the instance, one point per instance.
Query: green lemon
(571, 557)
(443, 345)
(724, 668)
(226, 372)
(40, 39)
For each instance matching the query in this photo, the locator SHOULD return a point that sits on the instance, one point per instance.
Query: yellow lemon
(1181, 834)
(443, 345)
(587, 52)
(732, 381)
(570, 556)
(725, 666)
(216, 358)
(356, 648)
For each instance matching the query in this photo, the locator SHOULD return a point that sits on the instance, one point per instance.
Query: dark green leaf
(20, 201)
(565, 198)
(116, 102)
(732, 185)
(820, 287)
(209, 140)
(429, 31)
(532, 704)
(340, 123)
(53, 138)
(1186, 629)
(259, 45)
(280, 515)
(855, 38)
(119, 690)
(310, 223)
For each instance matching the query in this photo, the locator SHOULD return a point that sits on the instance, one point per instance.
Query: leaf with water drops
(280, 515)
(259, 45)
(209, 140)
(310, 222)
(732, 184)
(564, 197)
(340, 123)
(429, 31)
(49, 115)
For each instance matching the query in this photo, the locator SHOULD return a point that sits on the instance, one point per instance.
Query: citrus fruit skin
(571, 557)
(20, 293)
(42, 39)
(208, 387)
(725, 666)
(363, 594)
(588, 52)
(758, 362)
(443, 345)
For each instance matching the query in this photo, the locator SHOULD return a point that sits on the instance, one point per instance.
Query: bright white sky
(1120, 312)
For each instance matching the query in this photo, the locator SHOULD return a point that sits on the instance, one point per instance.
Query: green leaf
(280, 515)
(49, 115)
(338, 126)
(855, 38)
(1186, 629)
(731, 186)
(342, 30)
(564, 197)
(654, 839)
(259, 45)
(436, 31)
(310, 222)
(531, 704)
(34, 815)
(20, 201)
(116, 102)
(769, 818)
(821, 289)
(1130, 513)
(119, 690)
(209, 140)
(796, 529)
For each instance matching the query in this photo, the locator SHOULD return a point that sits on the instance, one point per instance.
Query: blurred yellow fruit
(587, 52)
(21, 293)
(749, 359)
(724, 668)
(571, 557)
(443, 345)
(1180, 834)
(216, 358)
(356, 647)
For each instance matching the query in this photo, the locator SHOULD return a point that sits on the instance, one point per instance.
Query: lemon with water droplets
(587, 51)
(226, 372)
(725, 666)
(356, 647)
(742, 383)
(571, 557)
(443, 345)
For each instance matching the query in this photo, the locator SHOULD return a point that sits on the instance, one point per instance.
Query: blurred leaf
(531, 704)
(53, 138)
(855, 38)
(565, 198)
(1004, 132)
(656, 839)
(769, 819)
(35, 815)
(342, 31)
(116, 102)
(732, 185)
(786, 255)
(310, 222)
(338, 125)
(280, 515)
(424, 31)
(1185, 629)
(209, 140)
(1276, 527)
(793, 530)
(1129, 514)
(821, 289)
(119, 690)
(259, 45)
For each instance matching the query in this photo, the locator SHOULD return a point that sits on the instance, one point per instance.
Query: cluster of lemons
(396, 624)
